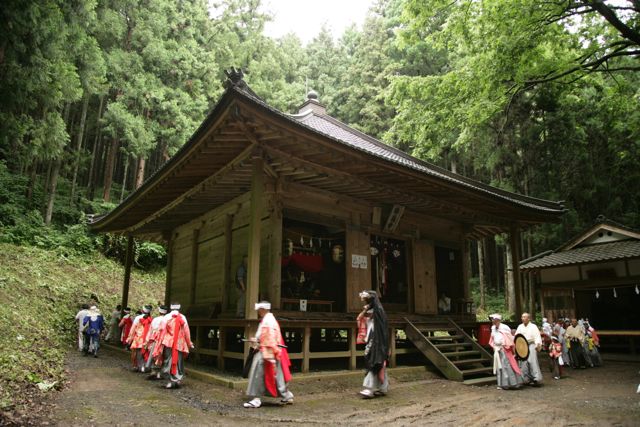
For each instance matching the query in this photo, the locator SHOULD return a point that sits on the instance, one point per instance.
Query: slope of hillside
(40, 292)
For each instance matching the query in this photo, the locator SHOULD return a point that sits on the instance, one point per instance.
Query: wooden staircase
(458, 356)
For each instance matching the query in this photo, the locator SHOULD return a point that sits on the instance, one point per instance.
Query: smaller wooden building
(595, 275)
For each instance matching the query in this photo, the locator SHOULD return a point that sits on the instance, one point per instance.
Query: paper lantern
(337, 254)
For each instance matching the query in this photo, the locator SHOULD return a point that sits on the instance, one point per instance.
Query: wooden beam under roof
(344, 180)
(198, 188)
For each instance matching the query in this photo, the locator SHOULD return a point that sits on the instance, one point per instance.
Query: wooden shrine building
(594, 275)
(322, 211)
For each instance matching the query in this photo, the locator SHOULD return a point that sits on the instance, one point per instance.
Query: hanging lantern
(374, 251)
(289, 247)
(337, 254)
(597, 294)
(615, 295)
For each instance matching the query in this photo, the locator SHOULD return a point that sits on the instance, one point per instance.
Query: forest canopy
(536, 97)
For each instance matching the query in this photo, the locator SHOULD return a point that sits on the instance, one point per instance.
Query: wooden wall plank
(424, 277)
(358, 279)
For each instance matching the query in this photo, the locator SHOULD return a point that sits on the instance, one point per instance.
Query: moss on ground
(40, 293)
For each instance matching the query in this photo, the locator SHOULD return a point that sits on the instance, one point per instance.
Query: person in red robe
(174, 344)
(152, 340)
(138, 339)
(270, 368)
(125, 326)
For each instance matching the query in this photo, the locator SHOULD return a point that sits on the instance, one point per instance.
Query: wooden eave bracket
(394, 219)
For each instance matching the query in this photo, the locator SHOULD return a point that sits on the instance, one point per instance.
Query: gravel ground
(104, 392)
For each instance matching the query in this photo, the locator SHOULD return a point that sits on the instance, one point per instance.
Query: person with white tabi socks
(376, 351)
(173, 345)
(270, 368)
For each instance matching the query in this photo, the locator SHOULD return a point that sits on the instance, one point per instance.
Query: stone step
(488, 380)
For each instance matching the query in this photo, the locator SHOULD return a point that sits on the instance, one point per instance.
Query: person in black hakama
(376, 351)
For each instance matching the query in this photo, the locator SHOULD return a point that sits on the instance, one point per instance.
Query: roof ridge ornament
(235, 77)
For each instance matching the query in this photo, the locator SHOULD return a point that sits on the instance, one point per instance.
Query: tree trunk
(140, 171)
(124, 178)
(79, 137)
(481, 273)
(108, 170)
(33, 178)
(51, 192)
(97, 142)
(510, 292)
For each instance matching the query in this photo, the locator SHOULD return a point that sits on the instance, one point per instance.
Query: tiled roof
(601, 252)
(351, 137)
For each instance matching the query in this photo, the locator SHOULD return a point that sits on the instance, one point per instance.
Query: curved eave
(102, 223)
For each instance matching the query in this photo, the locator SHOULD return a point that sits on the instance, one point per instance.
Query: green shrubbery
(41, 291)
(22, 224)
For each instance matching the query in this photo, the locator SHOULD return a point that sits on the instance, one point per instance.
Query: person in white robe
(84, 311)
(531, 373)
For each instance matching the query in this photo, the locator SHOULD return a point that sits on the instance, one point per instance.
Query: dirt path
(103, 392)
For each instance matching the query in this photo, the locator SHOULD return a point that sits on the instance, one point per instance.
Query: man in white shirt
(84, 311)
(444, 304)
(530, 368)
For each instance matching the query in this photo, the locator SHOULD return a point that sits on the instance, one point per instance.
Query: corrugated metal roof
(585, 254)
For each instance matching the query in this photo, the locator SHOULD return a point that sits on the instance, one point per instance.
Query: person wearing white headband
(151, 341)
(505, 366)
(138, 338)
(269, 374)
(174, 344)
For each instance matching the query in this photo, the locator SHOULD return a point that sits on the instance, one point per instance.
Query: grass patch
(41, 291)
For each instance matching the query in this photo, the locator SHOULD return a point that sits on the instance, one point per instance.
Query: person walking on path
(84, 310)
(93, 324)
(376, 351)
(151, 342)
(505, 366)
(114, 329)
(530, 368)
(175, 342)
(138, 337)
(125, 326)
(269, 374)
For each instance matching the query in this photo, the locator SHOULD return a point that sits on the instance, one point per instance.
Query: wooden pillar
(194, 266)
(353, 332)
(306, 345)
(392, 347)
(169, 269)
(222, 338)
(255, 225)
(466, 265)
(514, 244)
(228, 281)
(128, 262)
(275, 252)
